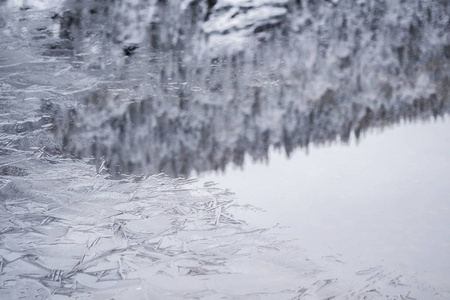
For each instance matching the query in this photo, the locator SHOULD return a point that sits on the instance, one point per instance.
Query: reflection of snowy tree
(311, 73)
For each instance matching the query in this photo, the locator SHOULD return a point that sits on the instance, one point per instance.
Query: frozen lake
(327, 121)
(383, 201)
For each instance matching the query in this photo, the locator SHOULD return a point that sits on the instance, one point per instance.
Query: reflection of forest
(199, 90)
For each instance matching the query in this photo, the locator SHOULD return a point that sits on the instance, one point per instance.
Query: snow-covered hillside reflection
(94, 93)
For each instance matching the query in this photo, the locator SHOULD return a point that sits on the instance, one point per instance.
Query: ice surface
(383, 201)
(84, 235)
(93, 90)
(236, 78)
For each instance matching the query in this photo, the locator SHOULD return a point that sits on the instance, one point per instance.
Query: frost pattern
(68, 231)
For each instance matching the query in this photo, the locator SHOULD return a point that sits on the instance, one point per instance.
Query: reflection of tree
(320, 73)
